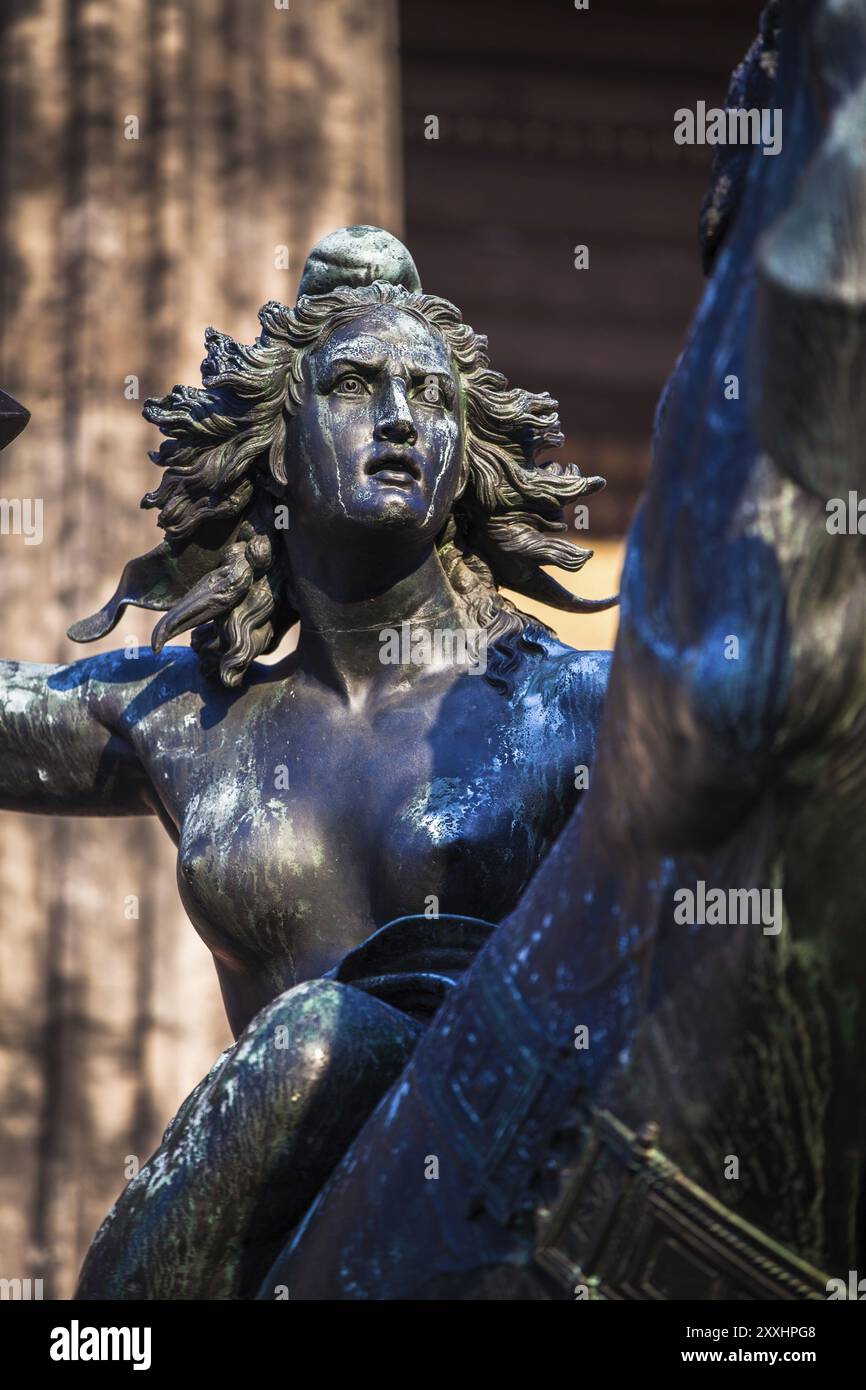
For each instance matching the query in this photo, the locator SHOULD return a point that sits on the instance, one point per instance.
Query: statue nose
(395, 424)
(398, 431)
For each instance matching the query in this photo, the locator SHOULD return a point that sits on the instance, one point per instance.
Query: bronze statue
(630, 1067)
(349, 825)
(650, 1082)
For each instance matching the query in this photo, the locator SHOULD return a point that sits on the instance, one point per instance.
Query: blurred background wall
(166, 164)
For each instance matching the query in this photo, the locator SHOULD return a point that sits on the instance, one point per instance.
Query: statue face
(377, 442)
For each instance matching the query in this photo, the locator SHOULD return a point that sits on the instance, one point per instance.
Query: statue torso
(304, 825)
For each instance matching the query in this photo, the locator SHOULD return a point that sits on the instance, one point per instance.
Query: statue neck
(348, 606)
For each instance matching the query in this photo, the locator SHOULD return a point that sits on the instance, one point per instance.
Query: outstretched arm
(56, 754)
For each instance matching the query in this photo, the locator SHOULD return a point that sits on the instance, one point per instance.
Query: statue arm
(57, 753)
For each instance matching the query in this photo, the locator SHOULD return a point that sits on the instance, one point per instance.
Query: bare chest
(302, 834)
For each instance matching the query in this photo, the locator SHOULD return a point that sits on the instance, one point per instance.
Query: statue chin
(389, 509)
(399, 513)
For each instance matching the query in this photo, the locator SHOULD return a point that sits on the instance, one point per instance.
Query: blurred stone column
(165, 164)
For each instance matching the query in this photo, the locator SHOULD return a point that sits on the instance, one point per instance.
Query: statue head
(368, 412)
(373, 454)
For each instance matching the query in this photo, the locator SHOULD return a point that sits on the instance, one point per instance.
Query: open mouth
(395, 469)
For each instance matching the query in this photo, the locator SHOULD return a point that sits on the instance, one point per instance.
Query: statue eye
(433, 391)
(350, 386)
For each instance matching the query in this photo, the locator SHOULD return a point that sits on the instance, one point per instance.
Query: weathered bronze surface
(359, 469)
(730, 760)
(599, 1088)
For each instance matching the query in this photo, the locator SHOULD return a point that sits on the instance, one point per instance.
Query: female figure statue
(630, 1097)
(349, 823)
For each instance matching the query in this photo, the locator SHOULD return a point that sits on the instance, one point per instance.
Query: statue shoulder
(572, 682)
(575, 678)
(126, 685)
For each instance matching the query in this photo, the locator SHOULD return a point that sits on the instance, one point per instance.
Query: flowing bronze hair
(226, 451)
